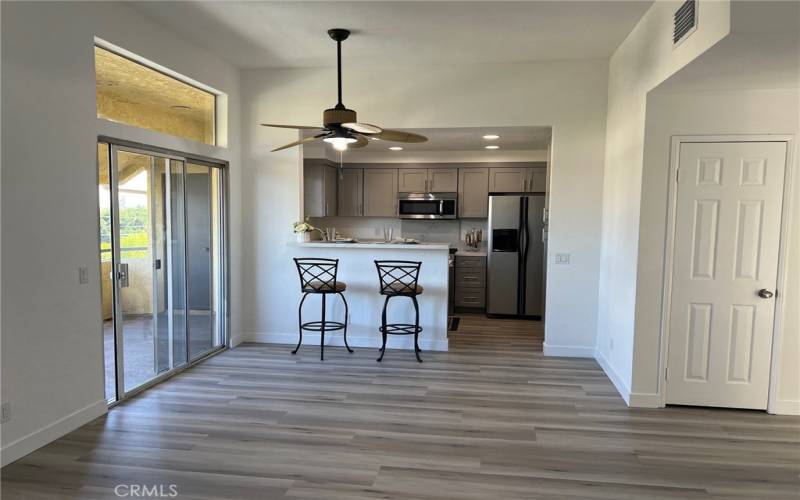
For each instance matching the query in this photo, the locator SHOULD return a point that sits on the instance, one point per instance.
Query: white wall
(642, 61)
(52, 360)
(569, 96)
(754, 111)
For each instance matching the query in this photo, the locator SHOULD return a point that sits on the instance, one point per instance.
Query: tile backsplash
(431, 231)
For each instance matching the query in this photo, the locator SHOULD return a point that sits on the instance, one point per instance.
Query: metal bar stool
(318, 276)
(398, 278)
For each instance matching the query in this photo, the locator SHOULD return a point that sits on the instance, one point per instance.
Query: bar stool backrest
(398, 277)
(317, 274)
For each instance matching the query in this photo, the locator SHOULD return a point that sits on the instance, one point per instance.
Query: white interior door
(724, 275)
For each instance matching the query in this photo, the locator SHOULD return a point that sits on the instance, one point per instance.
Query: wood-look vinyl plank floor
(491, 418)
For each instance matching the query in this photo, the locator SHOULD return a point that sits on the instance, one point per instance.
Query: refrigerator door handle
(524, 236)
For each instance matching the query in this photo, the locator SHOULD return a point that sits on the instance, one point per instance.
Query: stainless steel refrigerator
(516, 257)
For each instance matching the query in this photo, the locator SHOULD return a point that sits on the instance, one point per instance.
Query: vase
(303, 237)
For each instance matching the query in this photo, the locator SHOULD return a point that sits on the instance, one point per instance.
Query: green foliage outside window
(133, 234)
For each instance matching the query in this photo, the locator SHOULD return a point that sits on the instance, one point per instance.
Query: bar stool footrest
(400, 329)
(316, 326)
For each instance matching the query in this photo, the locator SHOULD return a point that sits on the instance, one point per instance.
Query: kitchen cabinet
(351, 192)
(413, 180)
(428, 180)
(380, 192)
(518, 179)
(538, 180)
(319, 188)
(470, 282)
(442, 180)
(473, 193)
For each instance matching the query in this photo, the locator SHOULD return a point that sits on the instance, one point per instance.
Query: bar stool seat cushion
(321, 287)
(401, 289)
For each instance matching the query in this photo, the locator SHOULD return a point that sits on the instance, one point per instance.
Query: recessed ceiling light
(492, 147)
(491, 137)
(396, 148)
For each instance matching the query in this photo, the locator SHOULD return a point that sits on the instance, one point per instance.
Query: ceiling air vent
(685, 21)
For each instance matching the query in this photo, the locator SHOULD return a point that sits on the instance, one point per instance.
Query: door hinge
(677, 175)
(666, 373)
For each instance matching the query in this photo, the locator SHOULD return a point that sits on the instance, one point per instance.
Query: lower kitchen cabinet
(470, 285)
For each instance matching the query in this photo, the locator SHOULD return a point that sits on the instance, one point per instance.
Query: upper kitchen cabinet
(351, 192)
(538, 180)
(473, 193)
(413, 180)
(507, 179)
(380, 192)
(518, 179)
(428, 180)
(319, 188)
(442, 180)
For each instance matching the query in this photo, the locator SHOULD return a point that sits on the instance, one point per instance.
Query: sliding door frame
(114, 146)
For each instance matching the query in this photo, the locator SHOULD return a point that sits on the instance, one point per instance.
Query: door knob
(765, 294)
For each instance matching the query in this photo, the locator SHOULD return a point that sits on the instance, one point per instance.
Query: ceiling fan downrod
(340, 35)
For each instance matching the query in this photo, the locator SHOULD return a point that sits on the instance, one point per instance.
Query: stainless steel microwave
(427, 205)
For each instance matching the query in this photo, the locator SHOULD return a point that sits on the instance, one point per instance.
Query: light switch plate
(5, 413)
(562, 258)
(83, 275)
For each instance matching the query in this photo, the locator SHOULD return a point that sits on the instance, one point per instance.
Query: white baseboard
(644, 400)
(785, 407)
(616, 379)
(567, 351)
(312, 339)
(17, 449)
(236, 340)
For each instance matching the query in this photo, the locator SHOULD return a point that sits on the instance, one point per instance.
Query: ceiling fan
(339, 125)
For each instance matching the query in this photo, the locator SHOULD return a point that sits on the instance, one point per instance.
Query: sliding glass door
(160, 239)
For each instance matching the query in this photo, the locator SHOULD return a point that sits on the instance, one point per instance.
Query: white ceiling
(253, 34)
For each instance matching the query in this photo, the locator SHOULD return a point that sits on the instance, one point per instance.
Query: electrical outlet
(5, 412)
(562, 258)
(83, 275)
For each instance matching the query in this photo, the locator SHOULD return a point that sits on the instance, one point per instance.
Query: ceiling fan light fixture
(340, 143)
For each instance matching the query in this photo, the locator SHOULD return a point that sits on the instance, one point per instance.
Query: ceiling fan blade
(363, 128)
(400, 136)
(361, 141)
(298, 127)
(297, 143)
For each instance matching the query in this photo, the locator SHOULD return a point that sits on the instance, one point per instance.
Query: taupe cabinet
(473, 192)
(470, 282)
(380, 192)
(320, 189)
(351, 192)
(518, 180)
(428, 180)
(372, 191)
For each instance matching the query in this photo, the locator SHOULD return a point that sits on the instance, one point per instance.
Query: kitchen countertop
(471, 253)
(373, 245)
